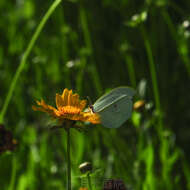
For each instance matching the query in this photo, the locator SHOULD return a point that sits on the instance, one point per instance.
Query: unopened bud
(139, 105)
(85, 167)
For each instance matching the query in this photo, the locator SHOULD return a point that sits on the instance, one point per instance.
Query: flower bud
(139, 105)
(85, 167)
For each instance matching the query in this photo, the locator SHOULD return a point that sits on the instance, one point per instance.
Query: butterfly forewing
(116, 92)
(112, 96)
(109, 101)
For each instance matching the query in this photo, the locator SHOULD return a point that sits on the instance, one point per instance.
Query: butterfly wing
(115, 107)
(112, 96)
(114, 115)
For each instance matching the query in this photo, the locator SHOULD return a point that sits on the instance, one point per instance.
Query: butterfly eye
(92, 108)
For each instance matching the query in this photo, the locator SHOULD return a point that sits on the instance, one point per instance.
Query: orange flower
(83, 188)
(69, 107)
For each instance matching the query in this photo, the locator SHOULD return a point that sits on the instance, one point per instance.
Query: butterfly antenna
(90, 104)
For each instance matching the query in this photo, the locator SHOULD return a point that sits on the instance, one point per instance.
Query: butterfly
(114, 107)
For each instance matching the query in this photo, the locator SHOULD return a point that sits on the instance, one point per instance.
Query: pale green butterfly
(114, 107)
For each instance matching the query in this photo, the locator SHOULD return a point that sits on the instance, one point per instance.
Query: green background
(91, 47)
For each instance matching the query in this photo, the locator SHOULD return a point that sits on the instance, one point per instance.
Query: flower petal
(75, 100)
(65, 96)
(45, 108)
(70, 98)
(91, 117)
(82, 104)
(59, 101)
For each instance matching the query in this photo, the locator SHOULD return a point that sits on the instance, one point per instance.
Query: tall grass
(91, 47)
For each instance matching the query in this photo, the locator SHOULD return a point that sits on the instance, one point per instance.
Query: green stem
(13, 174)
(131, 70)
(89, 181)
(88, 43)
(153, 77)
(152, 69)
(181, 44)
(68, 159)
(25, 56)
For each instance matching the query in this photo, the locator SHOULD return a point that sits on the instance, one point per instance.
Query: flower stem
(89, 181)
(13, 173)
(68, 159)
(25, 56)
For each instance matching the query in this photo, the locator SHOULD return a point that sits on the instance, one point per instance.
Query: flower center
(69, 110)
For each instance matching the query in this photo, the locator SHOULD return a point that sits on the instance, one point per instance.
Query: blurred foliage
(92, 46)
